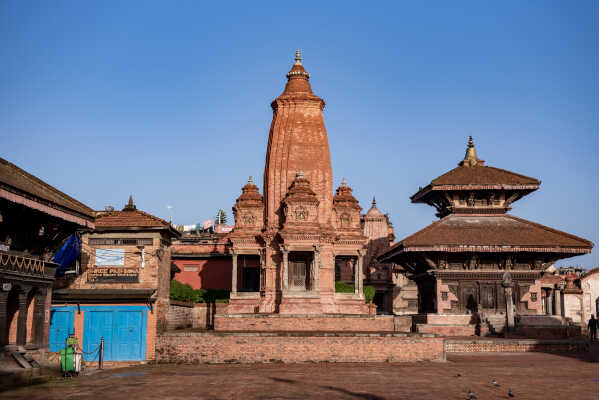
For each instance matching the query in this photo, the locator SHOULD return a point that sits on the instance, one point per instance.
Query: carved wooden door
(297, 274)
(487, 297)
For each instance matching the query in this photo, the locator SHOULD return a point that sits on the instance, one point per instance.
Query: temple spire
(373, 202)
(343, 182)
(251, 180)
(300, 174)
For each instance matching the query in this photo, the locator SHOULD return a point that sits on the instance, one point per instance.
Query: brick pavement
(531, 376)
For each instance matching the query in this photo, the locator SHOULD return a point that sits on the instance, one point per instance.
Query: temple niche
(460, 263)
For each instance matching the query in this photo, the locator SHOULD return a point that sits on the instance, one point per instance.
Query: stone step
(20, 359)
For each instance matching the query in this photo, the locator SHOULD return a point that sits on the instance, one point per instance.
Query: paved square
(530, 376)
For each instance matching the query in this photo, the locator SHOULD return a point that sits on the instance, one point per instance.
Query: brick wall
(210, 347)
(514, 345)
(180, 315)
(291, 322)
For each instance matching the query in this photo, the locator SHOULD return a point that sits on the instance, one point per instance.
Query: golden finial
(470, 157)
(343, 182)
(250, 180)
(300, 174)
(298, 57)
(130, 206)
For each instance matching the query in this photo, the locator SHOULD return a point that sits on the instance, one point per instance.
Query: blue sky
(170, 101)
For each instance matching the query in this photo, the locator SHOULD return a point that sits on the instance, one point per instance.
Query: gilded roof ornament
(470, 158)
(300, 174)
(251, 180)
(343, 182)
(130, 205)
(298, 57)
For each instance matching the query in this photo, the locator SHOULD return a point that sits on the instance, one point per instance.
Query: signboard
(112, 275)
(110, 257)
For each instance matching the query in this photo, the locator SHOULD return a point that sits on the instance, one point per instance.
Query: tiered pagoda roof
(472, 200)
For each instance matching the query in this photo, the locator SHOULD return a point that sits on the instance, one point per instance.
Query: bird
(510, 393)
(471, 395)
(459, 374)
(494, 383)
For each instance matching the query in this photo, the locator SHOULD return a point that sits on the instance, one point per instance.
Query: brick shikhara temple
(477, 259)
(299, 230)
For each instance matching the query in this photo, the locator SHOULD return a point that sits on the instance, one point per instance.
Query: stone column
(234, 273)
(558, 301)
(38, 319)
(357, 276)
(22, 321)
(360, 273)
(509, 301)
(549, 298)
(315, 270)
(285, 268)
(3, 321)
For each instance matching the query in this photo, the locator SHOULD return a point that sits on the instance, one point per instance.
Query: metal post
(101, 356)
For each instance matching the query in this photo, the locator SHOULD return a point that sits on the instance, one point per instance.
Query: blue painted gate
(61, 324)
(123, 329)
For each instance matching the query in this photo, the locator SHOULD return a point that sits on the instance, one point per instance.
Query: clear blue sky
(169, 101)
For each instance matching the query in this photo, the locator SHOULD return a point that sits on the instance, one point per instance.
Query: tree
(221, 218)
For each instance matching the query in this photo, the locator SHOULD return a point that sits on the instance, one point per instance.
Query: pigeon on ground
(471, 395)
(510, 393)
(494, 383)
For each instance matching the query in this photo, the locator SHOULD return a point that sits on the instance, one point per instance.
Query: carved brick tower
(304, 231)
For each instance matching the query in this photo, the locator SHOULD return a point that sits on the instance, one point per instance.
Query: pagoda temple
(301, 234)
(477, 259)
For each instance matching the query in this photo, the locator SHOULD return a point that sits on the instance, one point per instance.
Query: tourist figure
(593, 328)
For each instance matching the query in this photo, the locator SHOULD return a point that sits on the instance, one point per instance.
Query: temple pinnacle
(373, 202)
(300, 174)
(130, 206)
(250, 180)
(470, 157)
(343, 182)
(298, 57)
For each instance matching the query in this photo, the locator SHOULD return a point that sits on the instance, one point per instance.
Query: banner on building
(110, 257)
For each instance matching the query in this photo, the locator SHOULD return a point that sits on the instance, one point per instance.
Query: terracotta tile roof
(15, 178)
(482, 175)
(129, 219)
(489, 233)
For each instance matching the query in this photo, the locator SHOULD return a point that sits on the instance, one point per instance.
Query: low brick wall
(447, 330)
(183, 315)
(297, 347)
(549, 332)
(513, 345)
(319, 323)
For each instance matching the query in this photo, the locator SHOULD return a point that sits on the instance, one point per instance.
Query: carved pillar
(315, 269)
(3, 321)
(509, 301)
(558, 301)
(360, 274)
(234, 273)
(38, 319)
(285, 267)
(549, 299)
(22, 321)
(357, 276)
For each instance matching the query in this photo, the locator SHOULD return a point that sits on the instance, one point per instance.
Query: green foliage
(342, 287)
(183, 292)
(368, 294)
(221, 217)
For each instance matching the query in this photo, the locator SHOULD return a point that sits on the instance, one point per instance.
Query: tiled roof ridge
(90, 211)
(534, 180)
(552, 230)
(146, 214)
